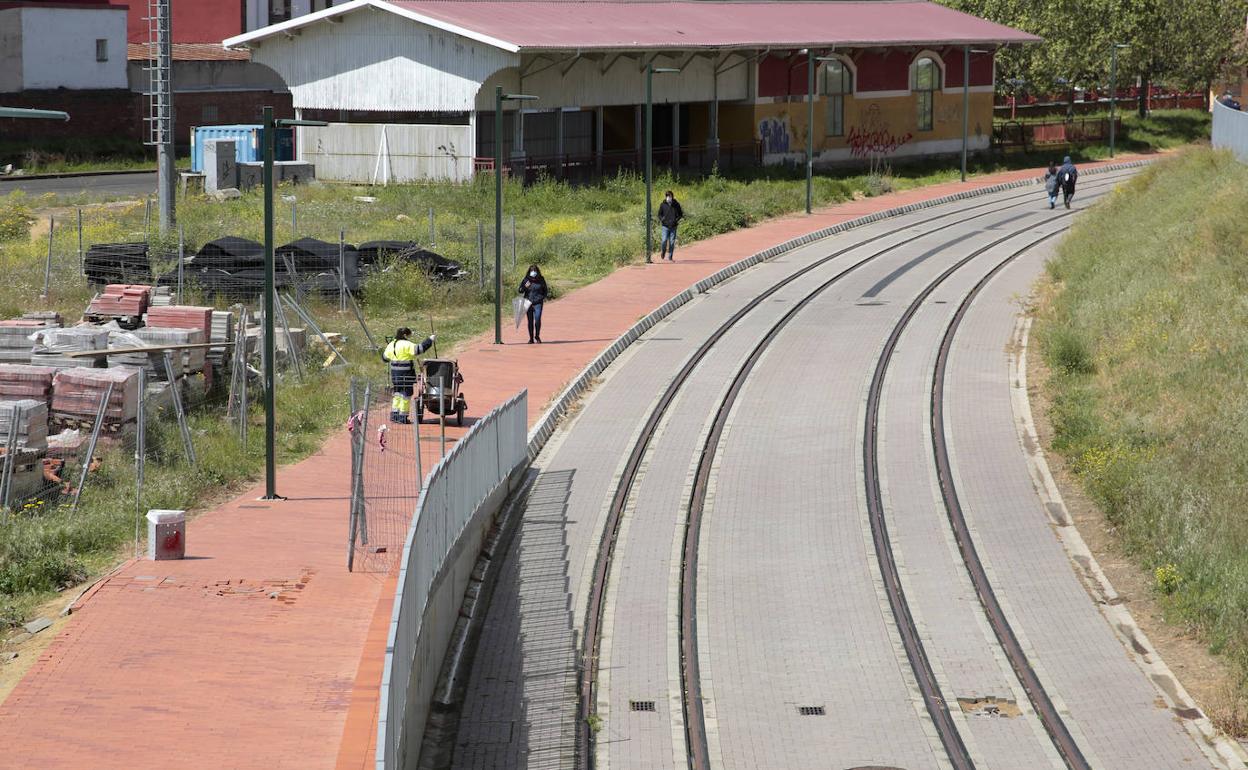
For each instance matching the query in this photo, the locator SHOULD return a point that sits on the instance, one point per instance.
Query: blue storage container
(248, 145)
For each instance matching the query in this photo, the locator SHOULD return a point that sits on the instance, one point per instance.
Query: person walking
(401, 354)
(670, 214)
(534, 289)
(1051, 184)
(1067, 175)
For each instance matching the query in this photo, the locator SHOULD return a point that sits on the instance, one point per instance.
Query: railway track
(693, 716)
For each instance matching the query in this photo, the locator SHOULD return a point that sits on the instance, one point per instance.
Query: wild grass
(1147, 340)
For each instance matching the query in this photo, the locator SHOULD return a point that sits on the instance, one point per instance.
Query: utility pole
(160, 104)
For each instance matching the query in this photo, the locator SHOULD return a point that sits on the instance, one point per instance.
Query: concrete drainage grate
(641, 705)
(811, 711)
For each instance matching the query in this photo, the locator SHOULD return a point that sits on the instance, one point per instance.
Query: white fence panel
(385, 153)
(1230, 130)
(475, 468)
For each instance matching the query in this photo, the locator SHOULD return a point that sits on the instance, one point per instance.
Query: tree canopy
(1187, 43)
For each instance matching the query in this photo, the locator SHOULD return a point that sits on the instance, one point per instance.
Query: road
(135, 185)
(796, 525)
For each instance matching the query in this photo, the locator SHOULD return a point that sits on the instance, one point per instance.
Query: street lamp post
(1113, 91)
(270, 300)
(810, 124)
(650, 71)
(966, 100)
(22, 112)
(499, 98)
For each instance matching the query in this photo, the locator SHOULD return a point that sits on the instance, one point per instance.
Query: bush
(15, 218)
(720, 215)
(397, 286)
(1067, 352)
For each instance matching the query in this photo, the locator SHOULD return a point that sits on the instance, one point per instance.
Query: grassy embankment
(578, 235)
(1146, 335)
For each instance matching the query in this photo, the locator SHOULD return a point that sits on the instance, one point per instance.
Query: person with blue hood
(1050, 184)
(1066, 176)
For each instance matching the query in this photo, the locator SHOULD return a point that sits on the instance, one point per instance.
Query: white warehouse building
(409, 86)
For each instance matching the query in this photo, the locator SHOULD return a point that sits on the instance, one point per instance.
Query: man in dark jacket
(1067, 175)
(670, 214)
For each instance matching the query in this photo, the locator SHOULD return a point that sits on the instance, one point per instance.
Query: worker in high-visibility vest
(401, 354)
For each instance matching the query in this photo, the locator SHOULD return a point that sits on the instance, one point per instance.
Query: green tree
(1186, 42)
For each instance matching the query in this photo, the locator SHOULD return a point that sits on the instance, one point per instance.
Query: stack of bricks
(185, 317)
(222, 331)
(121, 300)
(29, 447)
(15, 344)
(20, 381)
(58, 342)
(31, 417)
(153, 337)
(76, 395)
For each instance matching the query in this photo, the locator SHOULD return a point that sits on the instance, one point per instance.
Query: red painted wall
(777, 76)
(882, 70)
(194, 21)
(981, 68)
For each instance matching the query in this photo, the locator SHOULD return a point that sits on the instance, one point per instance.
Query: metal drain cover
(811, 711)
(641, 705)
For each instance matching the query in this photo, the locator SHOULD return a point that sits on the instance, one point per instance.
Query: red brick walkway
(260, 650)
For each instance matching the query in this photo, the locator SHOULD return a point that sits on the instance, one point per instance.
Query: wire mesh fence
(389, 461)
(93, 247)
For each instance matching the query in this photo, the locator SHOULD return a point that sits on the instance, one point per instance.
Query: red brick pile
(121, 299)
(18, 381)
(76, 393)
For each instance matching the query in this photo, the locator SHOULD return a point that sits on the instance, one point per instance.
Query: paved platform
(260, 650)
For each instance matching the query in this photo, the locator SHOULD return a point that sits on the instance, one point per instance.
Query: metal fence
(450, 507)
(1230, 130)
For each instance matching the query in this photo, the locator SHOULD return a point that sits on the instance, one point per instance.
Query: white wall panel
(58, 47)
(374, 60)
(350, 152)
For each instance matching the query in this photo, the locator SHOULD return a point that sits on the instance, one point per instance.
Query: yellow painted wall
(880, 123)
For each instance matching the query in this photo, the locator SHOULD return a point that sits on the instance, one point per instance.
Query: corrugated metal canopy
(712, 24)
(520, 25)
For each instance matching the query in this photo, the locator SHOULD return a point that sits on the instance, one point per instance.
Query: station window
(926, 82)
(101, 49)
(838, 81)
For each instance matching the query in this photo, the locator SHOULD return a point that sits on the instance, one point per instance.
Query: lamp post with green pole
(1113, 90)
(966, 100)
(499, 98)
(270, 300)
(650, 72)
(811, 59)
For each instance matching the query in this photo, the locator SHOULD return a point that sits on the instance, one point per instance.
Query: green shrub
(15, 217)
(1067, 352)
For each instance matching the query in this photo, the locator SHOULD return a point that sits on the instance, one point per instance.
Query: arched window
(838, 80)
(925, 78)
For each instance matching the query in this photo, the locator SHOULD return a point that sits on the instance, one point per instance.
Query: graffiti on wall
(774, 133)
(873, 136)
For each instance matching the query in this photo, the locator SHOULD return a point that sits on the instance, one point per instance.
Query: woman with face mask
(534, 289)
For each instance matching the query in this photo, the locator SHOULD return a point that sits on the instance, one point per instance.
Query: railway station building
(409, 86)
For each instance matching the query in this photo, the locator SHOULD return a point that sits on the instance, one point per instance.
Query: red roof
(714, 23)
(190, 52)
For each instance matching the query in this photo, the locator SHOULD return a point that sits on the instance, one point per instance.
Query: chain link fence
(387, 469)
